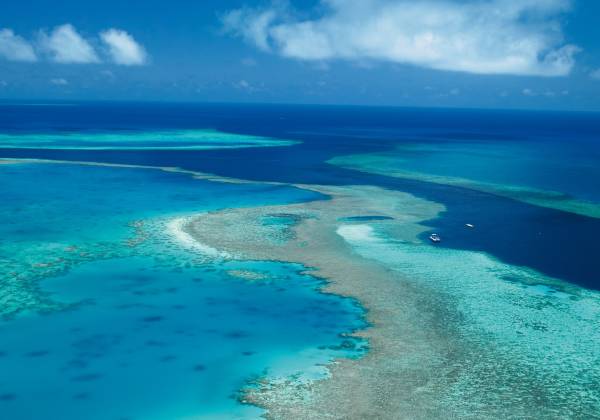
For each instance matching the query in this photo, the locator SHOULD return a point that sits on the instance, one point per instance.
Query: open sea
(103, 314)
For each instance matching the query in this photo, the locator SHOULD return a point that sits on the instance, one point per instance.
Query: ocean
(104, 307)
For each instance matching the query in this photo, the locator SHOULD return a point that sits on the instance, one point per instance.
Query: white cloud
(528, 92)
(65, 45)
(15, 48)
(59, 82)
(253, 25)
(245, 86)
(520, 37)
(595, 74)
(123, 48)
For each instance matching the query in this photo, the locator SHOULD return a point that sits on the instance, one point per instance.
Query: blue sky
(536, 54)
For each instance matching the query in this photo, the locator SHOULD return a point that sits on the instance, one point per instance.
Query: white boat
(434, 237)
(469, 225)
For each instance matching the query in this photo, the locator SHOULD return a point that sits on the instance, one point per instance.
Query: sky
(532, 54)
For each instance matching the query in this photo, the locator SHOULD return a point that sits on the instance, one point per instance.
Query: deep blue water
(554, 242)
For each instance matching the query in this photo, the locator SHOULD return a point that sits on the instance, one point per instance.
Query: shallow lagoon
(60, 215)
(107, 314)
(157, 342)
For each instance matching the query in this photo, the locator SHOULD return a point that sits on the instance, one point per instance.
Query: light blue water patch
(152, 342)
(569, 167)
(56, 216)
(137, 140)
(364, 218)
(106, 314)
(527, 342)
(55, 213)
(70, 202)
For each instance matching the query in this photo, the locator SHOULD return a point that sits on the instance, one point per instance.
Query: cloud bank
(67, 46)
(517, 37)
(15, 48)
(123, 48)
(59, 82)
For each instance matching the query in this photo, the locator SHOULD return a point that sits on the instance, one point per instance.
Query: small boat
(469, 225)
(434, 237)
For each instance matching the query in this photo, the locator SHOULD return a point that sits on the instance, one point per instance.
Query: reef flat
(402, 339)
(390, 164)
(452, 333)
(143, 140)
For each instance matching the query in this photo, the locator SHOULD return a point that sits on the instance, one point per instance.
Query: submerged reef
(142, 140)
(389, 164)
(59, 224)
(452, 333)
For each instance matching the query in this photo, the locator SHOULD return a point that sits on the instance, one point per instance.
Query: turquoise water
(58, 215)
(364, 218)
(151, 341)
(561, 174)
(567, 166)
(74, 203)
(138, 140)
(107, 314)
(80, 313)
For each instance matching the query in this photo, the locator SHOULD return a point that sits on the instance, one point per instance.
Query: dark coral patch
(7, 397)
(37, 353)
(87, 377)
(155, 343)
(237, 334)
(154, 318)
